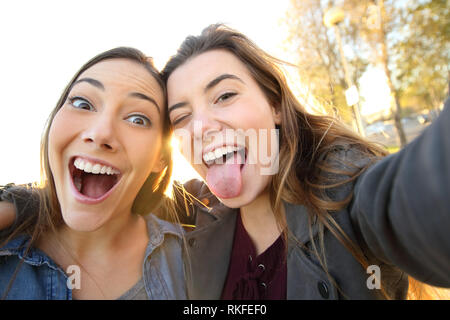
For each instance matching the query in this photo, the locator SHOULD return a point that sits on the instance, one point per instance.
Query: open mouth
(93, 180)
(226, 155)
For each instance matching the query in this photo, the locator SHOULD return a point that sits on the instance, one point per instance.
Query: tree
(318, 55)
(410, 40)
(377, 35)
(423, 53)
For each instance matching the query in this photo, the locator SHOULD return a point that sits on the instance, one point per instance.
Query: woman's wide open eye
(81, 103)
(139, 120)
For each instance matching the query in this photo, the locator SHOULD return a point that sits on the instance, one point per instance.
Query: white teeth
(94, 168)
(218, 153)
(79, 164)
(88, 167)
(210, 156)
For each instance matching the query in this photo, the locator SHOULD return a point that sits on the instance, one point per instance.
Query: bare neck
(260, 223)
(118, 235)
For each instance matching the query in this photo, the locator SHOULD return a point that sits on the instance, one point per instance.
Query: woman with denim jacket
(337, 219)
(106, 163)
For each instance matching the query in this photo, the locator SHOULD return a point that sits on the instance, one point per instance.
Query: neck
(101, 255)
(260, 223)
(117, 235)
(111, 235)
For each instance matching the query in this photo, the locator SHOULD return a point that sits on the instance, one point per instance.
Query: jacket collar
(298, 221)
(210, 206)
(297, 216)
(35, 257)
(157, 230)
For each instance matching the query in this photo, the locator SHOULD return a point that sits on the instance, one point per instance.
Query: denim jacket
(40, 278)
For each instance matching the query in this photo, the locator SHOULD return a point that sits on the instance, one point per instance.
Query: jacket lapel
(298, 222)
(208, 251)
(304, 276)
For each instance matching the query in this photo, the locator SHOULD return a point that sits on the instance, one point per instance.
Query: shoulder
(14, 246)
(11, 191)
(159, 228)
(347, 156)
(341, 166)
(196, 188)
(191, 194)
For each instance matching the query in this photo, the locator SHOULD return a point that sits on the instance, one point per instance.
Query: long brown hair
(305, 139)
(150, 196)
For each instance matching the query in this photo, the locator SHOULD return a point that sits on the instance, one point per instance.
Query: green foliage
(423, 53)
(318, 55)
(411, 39)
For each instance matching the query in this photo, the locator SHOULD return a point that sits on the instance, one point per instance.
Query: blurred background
(382, 67)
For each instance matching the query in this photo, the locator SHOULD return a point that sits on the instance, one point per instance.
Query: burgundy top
(252, 277)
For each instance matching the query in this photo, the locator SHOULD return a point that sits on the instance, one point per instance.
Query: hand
(7, 214)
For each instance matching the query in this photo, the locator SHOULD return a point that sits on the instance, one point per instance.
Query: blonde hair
(150, 196)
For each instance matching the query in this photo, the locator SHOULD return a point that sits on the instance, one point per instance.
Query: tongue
(96, 185)
(224, 180)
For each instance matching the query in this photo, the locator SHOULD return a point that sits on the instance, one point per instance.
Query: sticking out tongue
(224, 180)
(96, 185)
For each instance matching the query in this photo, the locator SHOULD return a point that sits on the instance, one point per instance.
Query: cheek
(253, 113)
(257, 120)
(145, 152)
(60, 134)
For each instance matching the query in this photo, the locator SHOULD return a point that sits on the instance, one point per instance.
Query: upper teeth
(95, 168)
(218, 153)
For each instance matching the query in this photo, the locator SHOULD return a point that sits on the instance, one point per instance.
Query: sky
(45, 42)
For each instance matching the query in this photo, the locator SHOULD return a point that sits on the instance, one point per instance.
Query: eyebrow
(91, 81)
(100, 85)
(145, 97)
(224, 76)
(176, 106)
(209, 86)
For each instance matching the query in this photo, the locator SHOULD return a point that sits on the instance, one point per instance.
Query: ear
(276, 114)
(160, 164)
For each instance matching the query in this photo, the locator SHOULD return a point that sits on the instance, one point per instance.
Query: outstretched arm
(401, 206)
(17, 203)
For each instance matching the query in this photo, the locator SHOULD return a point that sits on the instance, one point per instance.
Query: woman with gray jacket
(330, 217)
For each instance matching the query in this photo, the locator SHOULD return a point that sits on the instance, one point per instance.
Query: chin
(83, 221)
(245, 198)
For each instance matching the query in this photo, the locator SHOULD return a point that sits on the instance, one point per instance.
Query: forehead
(200, 69)
(124, 76)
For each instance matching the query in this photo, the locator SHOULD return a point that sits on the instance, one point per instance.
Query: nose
(100, 133)
(205, 126)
